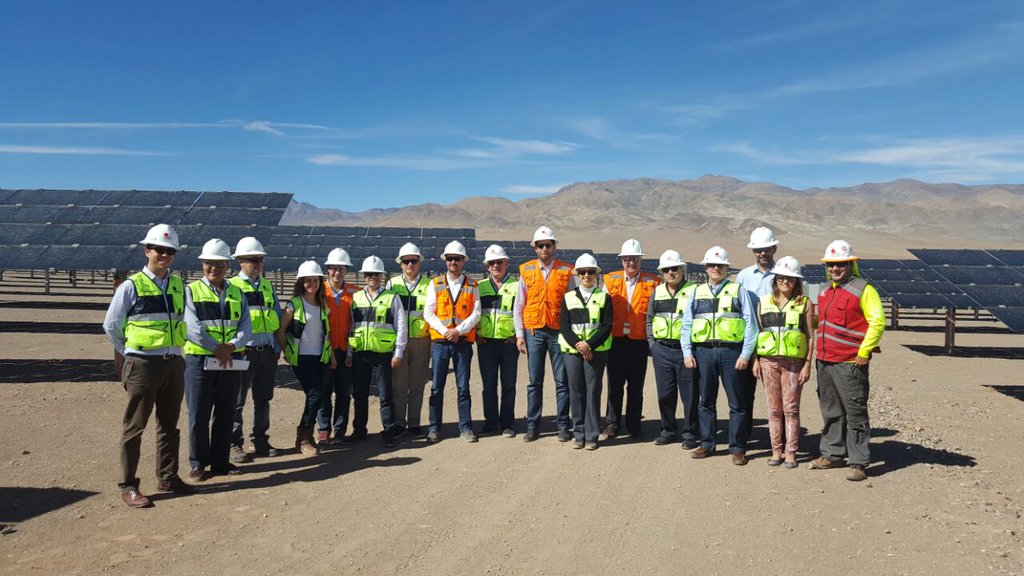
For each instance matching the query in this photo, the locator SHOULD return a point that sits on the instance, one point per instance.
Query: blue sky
(375, 104)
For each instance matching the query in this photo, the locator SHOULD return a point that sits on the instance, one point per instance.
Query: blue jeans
(714, 363)
(498, 356)
(369, 368)
(207, 393)
(338, 383)
(537, 343)
(443, 353)
(311, 373)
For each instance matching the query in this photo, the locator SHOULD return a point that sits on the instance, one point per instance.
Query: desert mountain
(881, 219)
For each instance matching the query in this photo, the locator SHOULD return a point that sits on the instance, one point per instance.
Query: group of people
(216, 339)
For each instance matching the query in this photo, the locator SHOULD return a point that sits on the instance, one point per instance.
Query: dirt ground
(944, 495)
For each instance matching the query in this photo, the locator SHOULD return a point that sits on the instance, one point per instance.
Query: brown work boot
(823, 463)
(304, 442)
(739, 458)
(135, 499)
(857, 473)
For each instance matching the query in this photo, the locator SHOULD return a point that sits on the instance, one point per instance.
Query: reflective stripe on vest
(220, 321)
(717, 318)
(543, 306)
(496, 309)
(842, 325)
(451, 314)
(585, 319)
(262, 314)
(667, 321)
(413, 303)
(782, 331)
(373, 323)
(149, 325)
(298, 325)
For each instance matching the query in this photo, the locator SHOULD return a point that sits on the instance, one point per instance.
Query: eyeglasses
(672, 269)
(495, 263)
(631, 259)
(337, 269)
(763, 250)
(786, 279)
(410, 262)
(454, 258)
(215, 265)
(253, 260)
(837, 264)
(544, 245)
(163, 250)
(716, 265)
(587, 272)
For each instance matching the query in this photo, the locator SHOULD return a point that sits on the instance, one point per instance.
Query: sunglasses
(257, 260)
(410, 262)
(495, 263)
(786, 279)
(454, 258)
(715, 265)
(163, 250)
(543, 245)
(672, 269)
(587, 272)
(215, 265)
(763, 250)
(337, 269)
(630, 258)
(837, 264)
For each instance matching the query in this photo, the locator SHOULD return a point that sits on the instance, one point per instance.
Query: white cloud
(76, 150)
(252, 126)
(528, 189)
(263, 126)
(426, 163)
(530, 146)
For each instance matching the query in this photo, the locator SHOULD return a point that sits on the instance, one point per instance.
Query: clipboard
(236, 365)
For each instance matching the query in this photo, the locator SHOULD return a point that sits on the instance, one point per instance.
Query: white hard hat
(408, 249)
(587, 261)
(249, 246)
(454, 247)
(839, 251)
(543, 233)
(161, 235)
(631, 247)
(309, 268)
(338, 257)
(494, 252)
(670, 258)
(787, 266)
(216, 249)
(762, 237)
(716, 255)
(372, 265)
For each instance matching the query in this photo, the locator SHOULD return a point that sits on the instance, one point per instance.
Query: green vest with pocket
(149, 324)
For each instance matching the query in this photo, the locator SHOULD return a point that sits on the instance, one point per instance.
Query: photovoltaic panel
(884, 274)
(55, 197)
(1009, 257)
(211, 215)
(878, 264)
(1012, 316)
(937, 258)
(41, 214)
(967, 275)
(94, 257)
(154, 198)
(142, 215)
(252, 200)
(17, 234)
(920, 300)
(993, 296)
(20, 258)
(4, 196)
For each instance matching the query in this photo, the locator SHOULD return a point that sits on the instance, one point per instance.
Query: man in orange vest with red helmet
(537, 316)
(851, 322)
(630, 291)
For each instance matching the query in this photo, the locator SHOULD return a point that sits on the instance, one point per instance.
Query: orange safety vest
(451, 314)
(634, 311)
(340, 316)
(543, 306)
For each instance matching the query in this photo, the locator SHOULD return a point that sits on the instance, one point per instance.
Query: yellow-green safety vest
(782, 332)
(413, 303)
(496, 309)
(211, 315)
(295, 329)
(667, 321)
(373, 323)
(717, 318)
(262, 314)
(584, 319)
(149, 325)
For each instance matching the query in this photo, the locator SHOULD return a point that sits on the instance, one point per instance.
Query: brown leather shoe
(197, 475)
(823, 463)
(176, 485)
(857, 473)
(132, 498)
(701, 452)
(739, 458)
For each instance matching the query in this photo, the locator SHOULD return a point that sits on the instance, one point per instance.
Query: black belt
(509, 340)
(674, 344)
(266, 348)
(153, 356)
(719, 344)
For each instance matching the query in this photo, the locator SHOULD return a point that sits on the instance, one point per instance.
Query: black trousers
(627, 369)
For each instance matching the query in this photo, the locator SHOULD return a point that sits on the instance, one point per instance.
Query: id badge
(625, 328)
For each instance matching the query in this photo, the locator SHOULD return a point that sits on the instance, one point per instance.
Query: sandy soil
(944, 495)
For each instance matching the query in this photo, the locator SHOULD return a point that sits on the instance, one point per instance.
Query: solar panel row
(991, 279)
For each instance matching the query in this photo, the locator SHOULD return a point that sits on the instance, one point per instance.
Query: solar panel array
(989, 279)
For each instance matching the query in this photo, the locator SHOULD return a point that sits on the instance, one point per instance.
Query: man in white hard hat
(218, 323)
(411, 376)
(145, 323)
(376, 345)
(537, 314)
(758, 279)
(261, 350)
(496, 343)
(717, 337)
(851, 322)
(630, 291)
(674, 380)
(333, 417)
(452, 310)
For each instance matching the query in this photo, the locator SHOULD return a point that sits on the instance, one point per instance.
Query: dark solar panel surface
(936, 258)
(1000, 276)
(1013, 317)
(1009, 257)
(994, 296)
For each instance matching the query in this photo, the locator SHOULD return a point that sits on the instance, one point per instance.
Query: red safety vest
(842, 325)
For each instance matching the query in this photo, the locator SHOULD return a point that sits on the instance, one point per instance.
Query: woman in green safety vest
(585, 336)
(305, 337)
(785, 344)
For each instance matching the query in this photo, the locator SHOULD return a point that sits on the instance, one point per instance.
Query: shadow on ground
(18, 503)
(1011, 391)
(968, 351)
(52, 327)
(35, 371)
